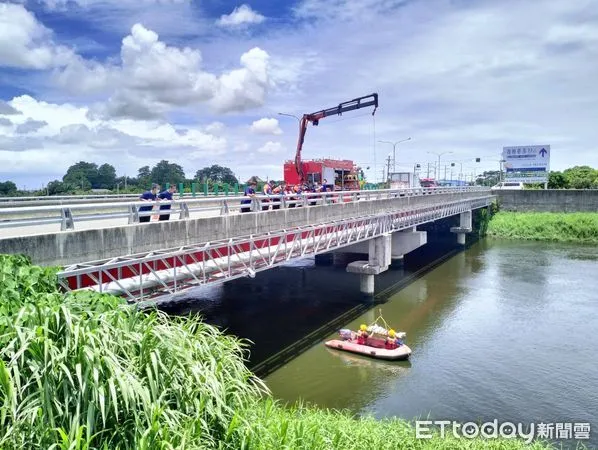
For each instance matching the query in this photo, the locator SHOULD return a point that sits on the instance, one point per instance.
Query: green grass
(303, 427)
(86, 371)
(557, 227)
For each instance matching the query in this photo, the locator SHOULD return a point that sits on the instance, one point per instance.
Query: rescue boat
(374, 348)
(375, 342)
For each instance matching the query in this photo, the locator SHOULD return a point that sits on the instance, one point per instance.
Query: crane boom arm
(357, 103)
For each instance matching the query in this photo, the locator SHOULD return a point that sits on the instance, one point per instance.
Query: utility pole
(388, 168)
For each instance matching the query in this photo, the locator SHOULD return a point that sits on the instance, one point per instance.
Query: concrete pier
(465, 227)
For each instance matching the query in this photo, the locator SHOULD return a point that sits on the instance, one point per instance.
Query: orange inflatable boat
(374, 347)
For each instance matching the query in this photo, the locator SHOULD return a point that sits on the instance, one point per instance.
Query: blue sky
(201, 82)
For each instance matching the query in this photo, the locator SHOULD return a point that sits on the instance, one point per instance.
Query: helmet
(391, 333)
(363, 327)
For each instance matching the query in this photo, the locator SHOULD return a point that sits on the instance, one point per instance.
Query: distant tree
(557, 180)
(58, 187)
(83, 175)
(581, 177)
(488, 178)
(165, 172)
(106, 177)
(8, 188)
(216, 174)
(144, 176)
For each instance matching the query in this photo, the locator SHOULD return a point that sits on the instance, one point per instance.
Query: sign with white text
(526, 163)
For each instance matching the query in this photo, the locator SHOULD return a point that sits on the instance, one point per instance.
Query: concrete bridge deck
(137, 258)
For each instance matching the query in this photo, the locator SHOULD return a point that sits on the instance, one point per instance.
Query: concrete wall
(550, 200)
(69, 247)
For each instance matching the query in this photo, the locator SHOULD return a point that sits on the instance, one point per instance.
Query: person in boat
(362, 335)
(392, 341)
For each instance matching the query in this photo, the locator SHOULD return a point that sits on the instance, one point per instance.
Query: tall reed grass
(85, 371)
(558, 227)
(81, 374)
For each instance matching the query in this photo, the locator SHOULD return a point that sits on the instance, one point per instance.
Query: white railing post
(67, 219)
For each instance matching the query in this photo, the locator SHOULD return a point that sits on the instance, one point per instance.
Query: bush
(558, 227)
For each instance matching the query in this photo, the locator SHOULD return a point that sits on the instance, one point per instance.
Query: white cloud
(215, 128)
(241, 15)
(466, 77)
(153, 78)
(266, 126)
(30, 126)
(6, 109)
(271, 148)
(67, 135)
(27, 44)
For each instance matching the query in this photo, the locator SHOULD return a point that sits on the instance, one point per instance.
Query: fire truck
(342, 174)
(339, 174)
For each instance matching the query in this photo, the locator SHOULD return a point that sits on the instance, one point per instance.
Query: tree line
(578, 177)
(84, 176)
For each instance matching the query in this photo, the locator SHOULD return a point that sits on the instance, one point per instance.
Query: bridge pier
(384, 251)
(379, 259)
(465, 226)
(404, 242)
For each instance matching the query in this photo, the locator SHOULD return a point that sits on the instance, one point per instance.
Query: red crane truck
(343, 174)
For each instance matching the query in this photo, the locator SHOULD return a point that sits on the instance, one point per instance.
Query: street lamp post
(438, 166)
(394, 153)
(290, 115)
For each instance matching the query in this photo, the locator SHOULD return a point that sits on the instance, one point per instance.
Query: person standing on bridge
(278, 191)
(267, 191)
(166, 195)
(148, 196)
(250, 194)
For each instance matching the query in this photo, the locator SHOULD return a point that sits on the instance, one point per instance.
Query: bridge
(211, 241)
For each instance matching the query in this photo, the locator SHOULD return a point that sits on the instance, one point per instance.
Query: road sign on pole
(526, 163)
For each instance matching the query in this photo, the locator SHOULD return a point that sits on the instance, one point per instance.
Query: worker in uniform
(250, 195)
(362, 334)
(297, 199)
(392, 341)
(267, 191)
(278, 190)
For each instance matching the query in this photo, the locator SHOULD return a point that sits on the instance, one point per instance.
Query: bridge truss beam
(168, 271)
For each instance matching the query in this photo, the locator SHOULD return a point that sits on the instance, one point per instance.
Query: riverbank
(545, 226)
(85, 370)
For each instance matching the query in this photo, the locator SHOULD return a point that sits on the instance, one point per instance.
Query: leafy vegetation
(84, 370)
(578, 177)
(545, 226)
(305, 427)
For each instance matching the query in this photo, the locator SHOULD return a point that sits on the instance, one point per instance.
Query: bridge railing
(184, 207)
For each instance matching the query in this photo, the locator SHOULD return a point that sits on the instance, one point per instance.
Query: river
(503, 330)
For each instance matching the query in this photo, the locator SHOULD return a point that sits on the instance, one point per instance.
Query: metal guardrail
(66, 217)
(66, 200)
